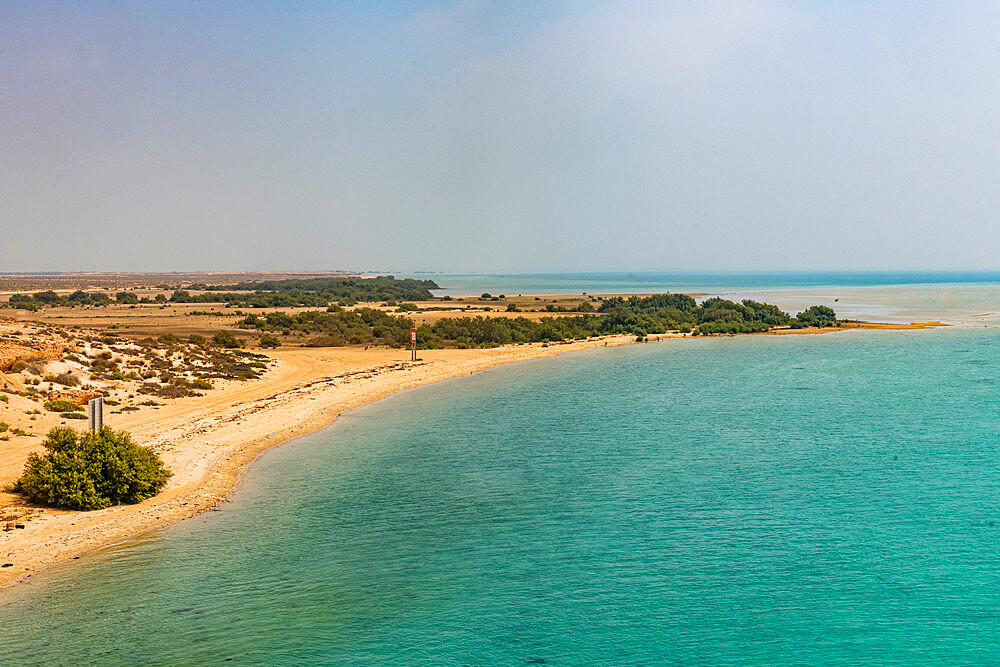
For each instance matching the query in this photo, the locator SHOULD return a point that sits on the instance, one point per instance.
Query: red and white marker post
(413, 344)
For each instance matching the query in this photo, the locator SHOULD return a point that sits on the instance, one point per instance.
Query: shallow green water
(751, 500)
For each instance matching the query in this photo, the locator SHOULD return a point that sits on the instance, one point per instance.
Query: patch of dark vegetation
(61, 406)
(311, 292)
(638, 316)
(39, 300)
(815, 316)
(233, 365)
(314, 292)
(227, 339)
(167, 391)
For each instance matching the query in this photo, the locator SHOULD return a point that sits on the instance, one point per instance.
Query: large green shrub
(227, 339)
(91, 471)
(817, 316)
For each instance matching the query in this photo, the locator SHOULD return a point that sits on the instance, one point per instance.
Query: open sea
(676, 281)
(759, 500)
(884, 296)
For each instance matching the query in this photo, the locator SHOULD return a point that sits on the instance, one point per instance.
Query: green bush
(331, 340)
(91, 471)
(817, 316)
(4, 426)
(201, 383)
(227, 339)
(61, 406)
(267, 340)
(73, 415)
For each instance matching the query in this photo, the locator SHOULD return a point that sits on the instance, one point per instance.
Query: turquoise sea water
(884, 296)
(748, 500)
(610, 282)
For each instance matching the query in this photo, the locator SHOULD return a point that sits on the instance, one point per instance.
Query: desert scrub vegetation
(60, 406)
(66, 379)
(91, 471)
(161, 360)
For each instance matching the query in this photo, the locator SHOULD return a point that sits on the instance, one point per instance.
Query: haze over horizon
(499, 137)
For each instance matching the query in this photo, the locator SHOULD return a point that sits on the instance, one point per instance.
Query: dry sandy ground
(206, 441)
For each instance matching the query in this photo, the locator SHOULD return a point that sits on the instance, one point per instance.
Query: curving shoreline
(208, 441)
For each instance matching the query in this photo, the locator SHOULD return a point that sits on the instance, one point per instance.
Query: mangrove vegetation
(638, 316)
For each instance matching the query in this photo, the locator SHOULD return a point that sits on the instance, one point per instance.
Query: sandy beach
(207, 441)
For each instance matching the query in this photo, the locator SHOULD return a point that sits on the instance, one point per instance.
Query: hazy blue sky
(503, 136)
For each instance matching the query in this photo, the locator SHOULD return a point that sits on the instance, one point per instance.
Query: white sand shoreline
(241, 430)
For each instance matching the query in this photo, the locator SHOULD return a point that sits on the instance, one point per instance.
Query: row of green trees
(352, 288)
(639, 316)
(680, 312)
(312, 293)
(335, 327)
(316, 292)
(39, 300)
